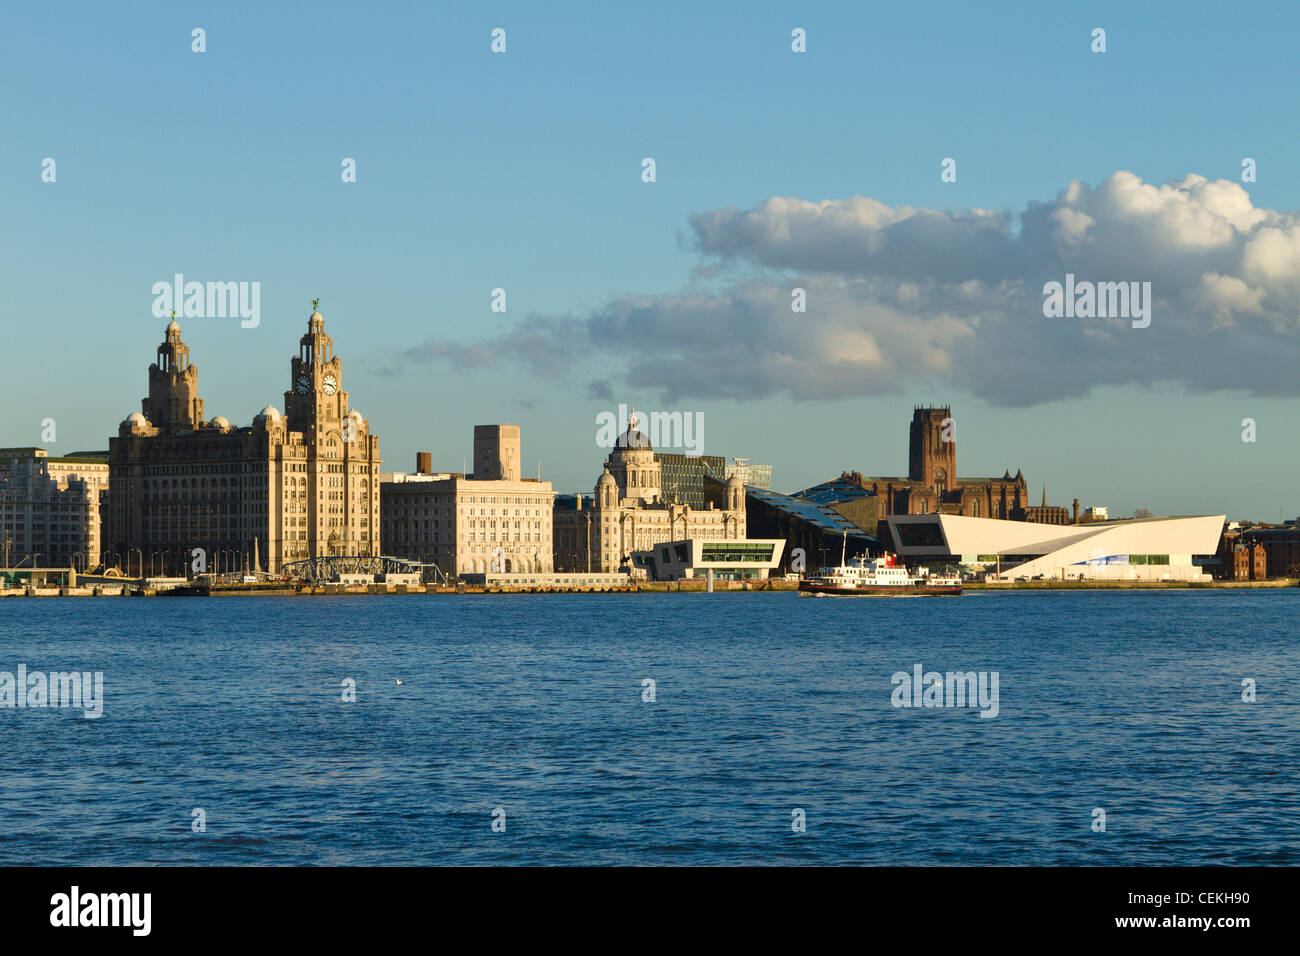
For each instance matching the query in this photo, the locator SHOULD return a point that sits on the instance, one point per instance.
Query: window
(735, 552)
(920, 535)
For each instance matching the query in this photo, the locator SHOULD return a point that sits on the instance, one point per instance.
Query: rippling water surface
(1126, 701)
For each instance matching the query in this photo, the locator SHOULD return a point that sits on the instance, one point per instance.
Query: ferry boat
(877, 577)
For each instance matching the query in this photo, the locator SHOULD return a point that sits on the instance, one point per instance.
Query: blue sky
(523, 171)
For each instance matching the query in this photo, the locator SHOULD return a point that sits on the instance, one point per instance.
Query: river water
(772, 736)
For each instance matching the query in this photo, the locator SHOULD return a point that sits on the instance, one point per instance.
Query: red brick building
(1241, 558)
(1249, 562)
(1281, 545)
(932, 484)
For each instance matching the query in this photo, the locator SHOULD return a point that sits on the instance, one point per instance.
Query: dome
(136, 419)
(633, 437)
(220, 422)
(172, 327)
(605, 480)
(270, 413)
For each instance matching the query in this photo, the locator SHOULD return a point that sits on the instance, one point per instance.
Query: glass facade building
(683, 476)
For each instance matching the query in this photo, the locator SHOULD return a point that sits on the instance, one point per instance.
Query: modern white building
(1137, 549)
(728, 559)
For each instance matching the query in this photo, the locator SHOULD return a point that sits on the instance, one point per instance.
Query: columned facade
(627, 512)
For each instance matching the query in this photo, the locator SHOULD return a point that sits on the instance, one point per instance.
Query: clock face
(331, 385)
(304, 385)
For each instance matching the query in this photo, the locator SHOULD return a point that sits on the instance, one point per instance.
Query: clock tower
(316, 399)
(337, 456)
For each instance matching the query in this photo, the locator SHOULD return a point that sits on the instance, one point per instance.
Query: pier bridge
(322, 570)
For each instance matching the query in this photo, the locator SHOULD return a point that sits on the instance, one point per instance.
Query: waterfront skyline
(521, 171)
(601, 425)
(528, 413)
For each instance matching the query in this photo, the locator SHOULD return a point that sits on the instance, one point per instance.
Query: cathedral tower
(932, 451)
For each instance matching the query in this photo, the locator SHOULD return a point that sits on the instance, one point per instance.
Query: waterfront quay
(322, 590)
(687, 586)
(1086, 585)
(595, 585)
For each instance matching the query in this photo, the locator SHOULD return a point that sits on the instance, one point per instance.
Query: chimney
(1076, 510)
(423, 463)
(579, 499)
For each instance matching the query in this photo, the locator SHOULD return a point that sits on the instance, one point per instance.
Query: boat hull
(893, 590)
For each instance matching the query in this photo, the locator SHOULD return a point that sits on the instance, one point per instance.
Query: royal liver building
(298, 484)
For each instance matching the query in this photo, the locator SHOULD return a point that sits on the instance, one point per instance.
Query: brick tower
(932, 449)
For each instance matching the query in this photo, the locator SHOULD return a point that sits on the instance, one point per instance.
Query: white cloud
(901, 297)
(1230, 296)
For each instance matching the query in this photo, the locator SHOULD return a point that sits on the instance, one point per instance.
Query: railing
(323, 569)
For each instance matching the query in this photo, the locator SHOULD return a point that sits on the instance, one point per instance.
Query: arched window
(975, 508)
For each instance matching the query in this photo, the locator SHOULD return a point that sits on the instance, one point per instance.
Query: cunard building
(493, 520)
(302, 483)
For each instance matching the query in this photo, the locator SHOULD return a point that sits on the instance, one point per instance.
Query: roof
(834, 492)
(886, 480)
(1067, 544)
(819, 515)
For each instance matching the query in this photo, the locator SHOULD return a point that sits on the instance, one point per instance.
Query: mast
(843, 545)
